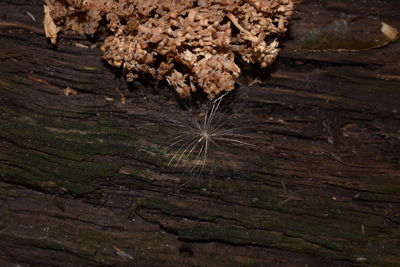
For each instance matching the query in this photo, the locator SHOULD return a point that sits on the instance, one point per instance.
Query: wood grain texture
(80, 174)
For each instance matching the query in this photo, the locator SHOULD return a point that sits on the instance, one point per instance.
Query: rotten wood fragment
(85, 181)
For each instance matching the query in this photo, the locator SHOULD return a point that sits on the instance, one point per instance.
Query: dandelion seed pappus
(201, 142)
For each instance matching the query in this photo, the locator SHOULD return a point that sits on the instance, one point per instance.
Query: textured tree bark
(85, 178)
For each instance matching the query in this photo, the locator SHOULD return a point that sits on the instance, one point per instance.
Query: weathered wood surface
(80, 175)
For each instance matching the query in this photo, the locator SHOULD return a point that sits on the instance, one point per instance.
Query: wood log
(84, 173)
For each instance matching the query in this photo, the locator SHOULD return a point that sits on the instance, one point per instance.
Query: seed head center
(204, 135)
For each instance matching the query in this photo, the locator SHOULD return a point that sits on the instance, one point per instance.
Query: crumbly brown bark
(192, 43)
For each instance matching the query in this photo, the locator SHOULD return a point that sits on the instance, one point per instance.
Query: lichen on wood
(191, 44)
